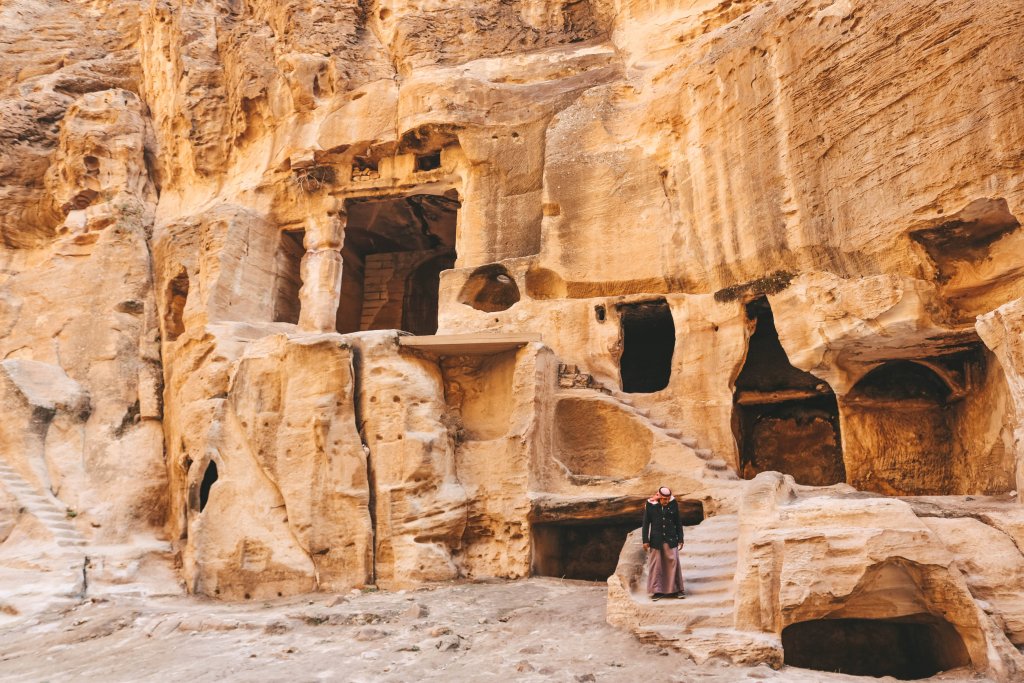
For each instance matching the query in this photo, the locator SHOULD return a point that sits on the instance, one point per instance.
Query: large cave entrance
(392, 257)
(930, 426)
(906, 648)
(648, 341)
(786, 420)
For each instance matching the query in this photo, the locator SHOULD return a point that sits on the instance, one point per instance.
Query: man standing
(663, 538)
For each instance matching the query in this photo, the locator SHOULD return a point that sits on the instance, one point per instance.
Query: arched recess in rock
(930, 426)
(419, 312)
(901, 619)
(784, 419)
(490, 288)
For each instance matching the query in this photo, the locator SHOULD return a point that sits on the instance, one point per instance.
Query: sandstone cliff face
(707, 240)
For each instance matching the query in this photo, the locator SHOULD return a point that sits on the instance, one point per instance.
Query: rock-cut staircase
(29, 584)
(714, 466)
(709, 565)
(709, 561)
(46, 510)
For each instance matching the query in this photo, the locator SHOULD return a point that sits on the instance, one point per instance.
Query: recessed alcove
(930, 426)
(428, 161)
(490, 288)
(786, 420)
(288, 280)
(585, 551)
(176, 299)
(393, 254)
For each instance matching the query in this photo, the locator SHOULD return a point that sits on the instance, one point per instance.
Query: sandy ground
(531, 630)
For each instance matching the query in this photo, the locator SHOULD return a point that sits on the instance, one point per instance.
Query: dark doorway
(588, 549)
(392, 257)
(648, 341)
(289, 276)
(419, 313)
(575, 550)
(787, 420)
(209, 479)
(907, 649)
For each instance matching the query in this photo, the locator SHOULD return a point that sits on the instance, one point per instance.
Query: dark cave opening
(588, 549)
(576, 550)
(209, 479)
(908, 648)
(786, 420)
(648, 342)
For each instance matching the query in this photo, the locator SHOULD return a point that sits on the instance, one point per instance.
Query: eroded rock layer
(319, 295)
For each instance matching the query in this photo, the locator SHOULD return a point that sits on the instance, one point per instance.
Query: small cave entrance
(648, 341)
(588, 549)
(393, 254)
(490, 288)
(209, 479)
(177, 297)
(288, 281)
(786, 420)
(906, 648)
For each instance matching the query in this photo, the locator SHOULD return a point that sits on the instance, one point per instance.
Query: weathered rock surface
(632, 244)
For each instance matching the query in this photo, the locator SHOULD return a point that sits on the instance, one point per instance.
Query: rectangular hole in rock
(648, 342)
(289, 276)
(428, 162)
(585, 551)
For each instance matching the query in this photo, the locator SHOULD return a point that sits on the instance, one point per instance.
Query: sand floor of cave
(531, 630)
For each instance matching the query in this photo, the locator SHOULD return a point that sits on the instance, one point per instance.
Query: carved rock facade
(633, 243)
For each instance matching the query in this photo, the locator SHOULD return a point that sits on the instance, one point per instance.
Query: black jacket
(662, 524)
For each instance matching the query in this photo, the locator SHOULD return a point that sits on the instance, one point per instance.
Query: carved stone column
(321, 273)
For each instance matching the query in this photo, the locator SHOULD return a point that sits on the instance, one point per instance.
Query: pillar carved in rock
(321, 272)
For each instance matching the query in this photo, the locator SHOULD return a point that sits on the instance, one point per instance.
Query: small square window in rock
(601, 313)
(428, 162)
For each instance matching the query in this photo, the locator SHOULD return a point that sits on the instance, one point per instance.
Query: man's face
(663, 499)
